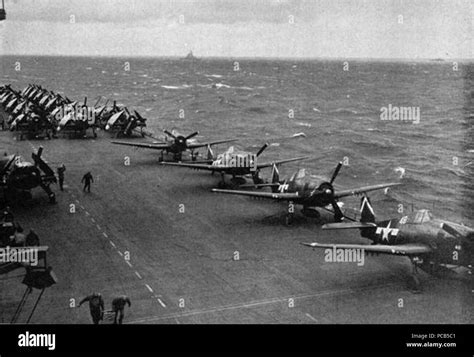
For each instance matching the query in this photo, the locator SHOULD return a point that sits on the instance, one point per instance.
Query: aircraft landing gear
(177, 157)
(291, 213)
(416, 286)
(256, 178)
(221, 183)
(311, 212)
(51, 195)
(236, 182)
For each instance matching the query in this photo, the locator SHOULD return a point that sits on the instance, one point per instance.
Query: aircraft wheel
(289, 219)
(416, 285)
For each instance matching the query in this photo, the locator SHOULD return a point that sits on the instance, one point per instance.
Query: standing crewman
(96, 306)
(87, 179)
(118, 306)
(61, 169)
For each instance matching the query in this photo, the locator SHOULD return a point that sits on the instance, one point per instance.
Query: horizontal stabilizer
(402, 249)
(349, 225)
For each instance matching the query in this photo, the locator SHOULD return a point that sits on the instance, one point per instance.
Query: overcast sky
(240, 28)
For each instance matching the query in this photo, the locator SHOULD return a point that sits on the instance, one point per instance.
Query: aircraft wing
(271, 195)
(403, 249)
(279, 162)
(223, 168)
(114, 118)
(200, 145)
(361, 190)
(195, 166)
(158, 146)
(350, 225)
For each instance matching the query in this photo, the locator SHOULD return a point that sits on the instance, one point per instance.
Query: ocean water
(270, 100)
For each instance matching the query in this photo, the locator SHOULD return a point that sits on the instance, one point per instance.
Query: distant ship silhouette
(190, 56)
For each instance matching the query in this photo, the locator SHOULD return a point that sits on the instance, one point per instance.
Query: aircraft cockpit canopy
(419, 217)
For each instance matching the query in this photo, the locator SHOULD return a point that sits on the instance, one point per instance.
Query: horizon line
(384, 59)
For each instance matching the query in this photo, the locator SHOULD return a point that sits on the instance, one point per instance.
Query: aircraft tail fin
(210, 153)
(275, 177)
(367, 214)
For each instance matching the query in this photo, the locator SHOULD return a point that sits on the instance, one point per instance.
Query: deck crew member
(87, 179)
(61, 169)
(118, 306)
(96, 306)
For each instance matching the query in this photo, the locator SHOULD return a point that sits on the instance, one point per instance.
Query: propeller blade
(338, 215)
(451, 230)
(169, 134)
(262, 149)
(336, 172)
(139, 116)
(98, 100)
(192, 135)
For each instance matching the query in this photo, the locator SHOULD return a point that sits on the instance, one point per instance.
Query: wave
(401, 170)
(344, 111)
(184, 86)
(303, 124)
(258, 110)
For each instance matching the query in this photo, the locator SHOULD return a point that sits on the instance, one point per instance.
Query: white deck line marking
(112, 244)
(148, 287)
(87, 213)
(129, 264)
(311, 317)
(82, 207)
(105, 235)
(137, 274)
(93, 220)
(121, 254)
(98, 227)
(77, 201)
(161, 302)
(260, 303)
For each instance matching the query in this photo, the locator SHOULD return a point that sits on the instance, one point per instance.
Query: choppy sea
(338, 110)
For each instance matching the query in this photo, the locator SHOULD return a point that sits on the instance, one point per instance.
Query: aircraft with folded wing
(175, 143)
(434, 245)
(18, 178)
(309, 191)
(236, 163)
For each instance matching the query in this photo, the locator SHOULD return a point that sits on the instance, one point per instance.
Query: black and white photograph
(305, 164)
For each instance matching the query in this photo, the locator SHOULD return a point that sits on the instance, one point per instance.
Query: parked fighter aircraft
(123, 123)
(19, 178)
(175, 143)
(432, 244)
(307, 190)
(76, 120)
(235, 163)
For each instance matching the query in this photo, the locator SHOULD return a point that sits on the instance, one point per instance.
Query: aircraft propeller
(328, 189)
